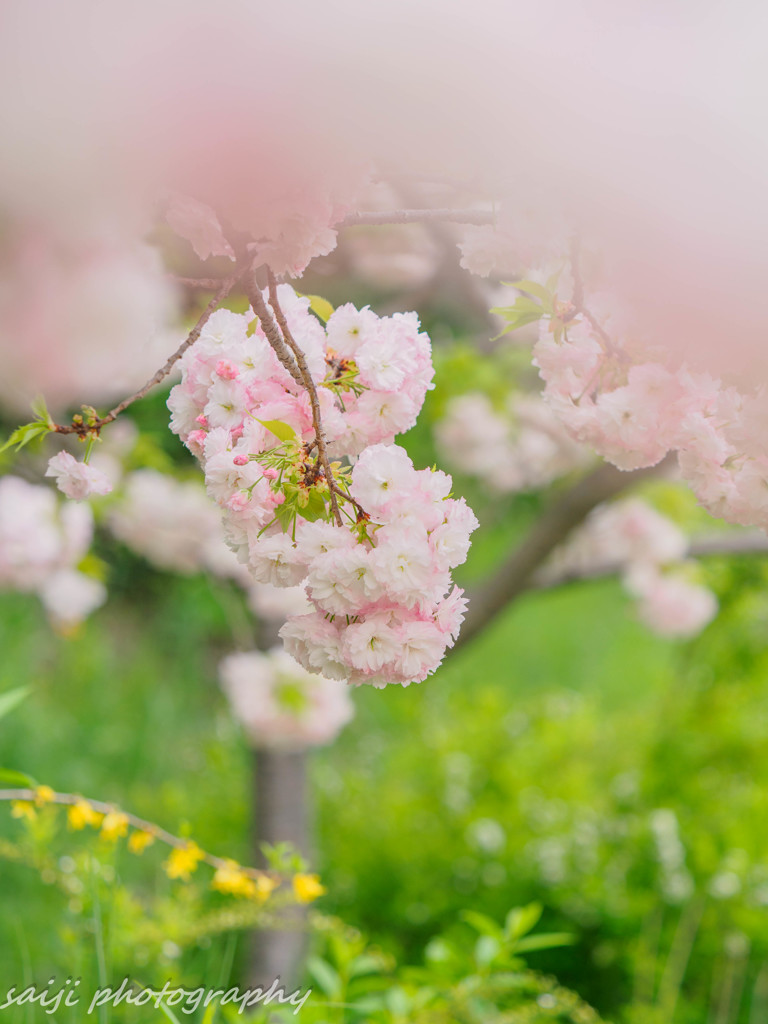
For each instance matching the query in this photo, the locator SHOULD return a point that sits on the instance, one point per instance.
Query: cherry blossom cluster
(371, 372)
(281, 705)
(174, 525)
(378, 573)
(518, 448)
(633, 405)
(42, 543)
(382, 614)
(650, 552)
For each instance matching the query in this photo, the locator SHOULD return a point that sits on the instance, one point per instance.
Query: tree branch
(747, 542)
(518, 572)
(270, 328)
(83, 429)
(309, 385)
(290, 354)
(26, 795)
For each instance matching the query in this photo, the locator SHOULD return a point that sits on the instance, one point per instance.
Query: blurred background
(567, 821)
(569, 755)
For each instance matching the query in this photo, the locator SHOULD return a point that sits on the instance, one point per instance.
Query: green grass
(533, 765)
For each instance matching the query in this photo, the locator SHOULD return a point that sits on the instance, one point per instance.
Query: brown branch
(83, 429)
(271, 330)
(725, 543)
(309, 386)
(375, 218)
(736, 542)
(208, 284)
(361, 513)
(518, 572)
(141, 824)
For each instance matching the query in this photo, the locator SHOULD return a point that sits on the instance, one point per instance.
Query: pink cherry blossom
(42, 542)
(77, 480)
(281, 705)
(374, 584)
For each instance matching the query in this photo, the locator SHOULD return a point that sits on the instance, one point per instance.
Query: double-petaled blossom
(382, 606)
(42, 543)
(649, 551)
(281, 705)
(633, 403)
(77, 480)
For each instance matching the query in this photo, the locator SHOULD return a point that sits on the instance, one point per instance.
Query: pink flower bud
(241, 460)
(227, 370)
(270, 474)
(196, 440)
(202, 421)
(238, 502)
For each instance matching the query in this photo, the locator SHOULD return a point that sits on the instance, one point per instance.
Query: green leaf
(17, 779)
(279, 429)
(210, 1013)
(320, 307)
(326, 976)
(368, 1004)
(487, 948)
(524, 311)
(522, 305)
(538, 290)
(315, 507)
(365, 964)
(398, 1002)
(285, 515)
(546, 940)
(521, 920)
(482, 923)
(24, 434)
(40, 409)
(11, 698)
(439, 951)
(168, 1012)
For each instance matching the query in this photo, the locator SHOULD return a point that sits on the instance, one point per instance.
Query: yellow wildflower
(139, 840)
(232, 878)
(81, 814)
(44, 795)
(307, 888)
(114, 826)
(265, 886)
(23, 809)
(183, 860)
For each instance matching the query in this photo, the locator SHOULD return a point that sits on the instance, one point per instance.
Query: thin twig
(208, 284)
(375, 218)
(84, 429)
(309, 385)
(141, 824)
(271, 330)
(362, 514)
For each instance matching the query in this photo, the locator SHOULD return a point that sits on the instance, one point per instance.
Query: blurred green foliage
(567, 756)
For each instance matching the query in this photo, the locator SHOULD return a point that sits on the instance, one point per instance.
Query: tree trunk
(280, 790)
